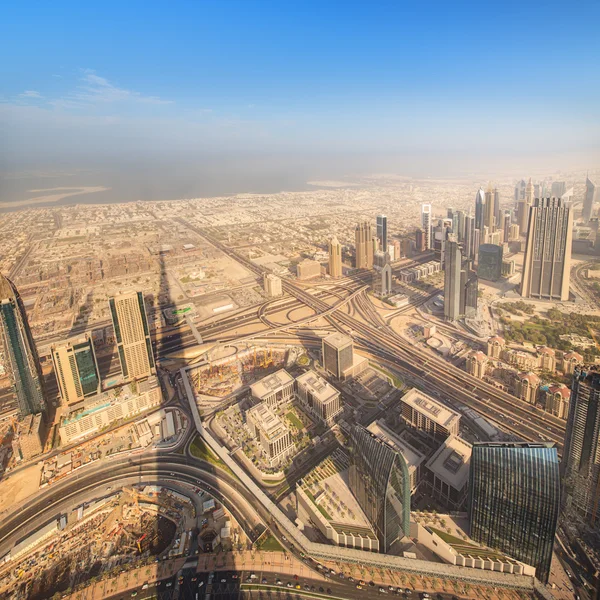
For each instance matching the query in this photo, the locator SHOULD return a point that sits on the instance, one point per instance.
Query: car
(194, 579)
(306, 587)
(391, 588)
(252, 575)
(289, 584)
(223, 580)
(329, 591)
(296, 577)
(408, 591)
(278, 582)
(372, 583)
(133, 594)
(235, 576)
(425, 595)
(172, 474)
(181, 579)
(321, 590)
(264, 580)
(358, 586)
(342, 576)
(298, 586)
(169, 584)
(351, 579)
(145, 586)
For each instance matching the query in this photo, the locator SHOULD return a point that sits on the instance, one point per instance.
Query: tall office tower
(363, 240)
(537, 190)
(489, 264)
(506, 223)
(452, 279)
(469, 235)
(132, 335)
(581, 457)
(335, 258)
(337, 351)
(558, 189)
(524, 206)
(489, 214)
(514, 500)
(589, 199)
(379, 479)
(497, 215)
(459, 223)
(479, 208)
(426, 223)
(471, 294)
(382, 232)
(76, 370)
(20, 354)
(547, 262)
(420, 241)
(476, 244)
(519, 192)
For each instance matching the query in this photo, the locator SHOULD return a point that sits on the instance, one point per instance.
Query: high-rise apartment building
(363, 243)
(489, 212)
(558, 189)
(335, 258)
(20, 354)
(506, 223)
(452, 279)
(479, 209)
(497, 214)
(468, 237)
(132, 335)
(581, 457)
(338, 354)
(514, 500)
(380, 481)
(420, 241)
(272, 284)
(427, 225)
(520, 192)
(382, 232)
(76, 370)
(547, 262)
(588, 200)
(524, 205)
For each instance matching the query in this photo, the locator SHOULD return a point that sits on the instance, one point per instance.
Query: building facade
(427, 225)
(274, 389)
(76, 371)
(527, 386)
(428, 415)
(318, 397)
(477, 364)
(382, 232)
(272, 285)
(379, 479)
(274, 437)
(335, 258)
(337, 351)
(547, 262)
(363, 244)
(479, 209)
(132, 335)
(308, 269)
(588, 200)
(20, 354)
(514, 500)
(452, 280)
(30, 437)
(489, 265)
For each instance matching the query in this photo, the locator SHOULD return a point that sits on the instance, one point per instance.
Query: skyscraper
(581, 458)
(335, 258)
(469, 236)
(489, 265)
(337, 351)
(363, 241)
(547, 262)
(382, 232)
(479, 209)
(589, 199)
(132, 335)
(519, 192)
(489, 218)
(380, 481)
(420, 242)
(76, 370)
(452, 279)
(497, 215)
(524, 206)
(20, 354)
(514, 500)
(506, 223)
(427, 225)
(558, 189)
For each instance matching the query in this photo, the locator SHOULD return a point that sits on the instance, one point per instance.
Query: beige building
(569, 361)
(476, 364)
(274, 437)
(335, 258)
(105, 409)
(527, 386)
(556, 400)
(274, 389)
(495, 346)
(547, 262)
(524, 206)
(318, 397)
(76, 370)
(29, 438)
(308, 269)
(272, 285)
(508, 268)
(426, 414)
(132, 335)
(339, 358)
(547, 359)
(363, 243)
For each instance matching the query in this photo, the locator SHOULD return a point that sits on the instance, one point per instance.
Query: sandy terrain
(53, 197)
(22, 485)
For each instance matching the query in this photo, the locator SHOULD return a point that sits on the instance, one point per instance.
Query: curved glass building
(380, 481)
(514, 500)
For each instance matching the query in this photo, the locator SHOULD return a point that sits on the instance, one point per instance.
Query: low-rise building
(427, 414)
(318, 397)
(448, 473)
(274, 437)
(272, 285)
(547, 359)
(30, 437)
(527, 386)
(477, 364)
(495, 346)
(399, 300)
(274, 389)
(556, 399)
(569, 361)
(308, 269)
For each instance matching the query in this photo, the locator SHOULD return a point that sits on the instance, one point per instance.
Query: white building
(318, 397)
(272, 285)
(274, 437)
(274, 389)
(426, 414)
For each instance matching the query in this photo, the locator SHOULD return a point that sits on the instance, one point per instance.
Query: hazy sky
(449, 83)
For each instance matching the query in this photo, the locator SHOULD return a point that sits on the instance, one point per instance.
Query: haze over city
(299, 301)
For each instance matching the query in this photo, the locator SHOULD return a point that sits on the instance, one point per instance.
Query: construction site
(224, 376)
(128, 527)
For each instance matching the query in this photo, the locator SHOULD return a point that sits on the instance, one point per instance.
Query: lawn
(200, 450)
(270, 544)
(295, 421)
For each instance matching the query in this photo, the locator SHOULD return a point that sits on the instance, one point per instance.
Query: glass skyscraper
(380, 481)
(514, 500)
(20, 353)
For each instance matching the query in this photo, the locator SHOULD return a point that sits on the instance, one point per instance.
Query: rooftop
(434, 410)
(317, 386)
(264, 418)
(411, 455)
(271, 383)
(338, 340)
(451, 462)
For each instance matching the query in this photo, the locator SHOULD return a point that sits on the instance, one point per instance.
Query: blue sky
(87, 81)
